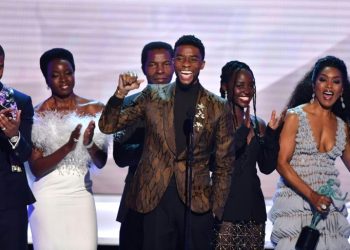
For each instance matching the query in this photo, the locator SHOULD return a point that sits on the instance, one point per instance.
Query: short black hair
(191, 40)
(2, 52)
(55, 53)
(154, 45)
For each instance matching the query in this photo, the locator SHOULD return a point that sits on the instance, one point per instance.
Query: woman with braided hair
(243, 225)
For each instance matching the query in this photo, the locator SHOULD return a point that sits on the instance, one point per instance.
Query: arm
(267, 159)
(346, 154)
(98, 156)
(41, 165)
(287, 147)
(128, 145)
(20, 126)
(224, 159)
(109, 121)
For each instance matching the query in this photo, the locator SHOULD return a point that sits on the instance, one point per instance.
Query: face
(243, 88)
(159, 68)
(60, 77)
(2, 61)
(188, 63)
(328, 86)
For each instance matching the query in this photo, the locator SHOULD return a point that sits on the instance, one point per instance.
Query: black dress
(244, 217)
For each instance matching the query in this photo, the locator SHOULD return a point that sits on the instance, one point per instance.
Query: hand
(89, 133)
(127, 81)
(276, 122)
(10, 124)
(74, 138)
(246, 119)
(320, 202)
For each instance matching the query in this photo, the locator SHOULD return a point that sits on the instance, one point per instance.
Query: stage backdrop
(280, 40)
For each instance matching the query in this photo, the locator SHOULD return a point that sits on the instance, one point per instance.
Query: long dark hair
(305, 87)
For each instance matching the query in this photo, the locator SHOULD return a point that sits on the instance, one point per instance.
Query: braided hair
(230, 71)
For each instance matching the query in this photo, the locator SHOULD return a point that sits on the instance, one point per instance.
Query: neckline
(313, 136)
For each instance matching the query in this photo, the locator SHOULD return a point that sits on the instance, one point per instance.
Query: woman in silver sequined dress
(314, 134)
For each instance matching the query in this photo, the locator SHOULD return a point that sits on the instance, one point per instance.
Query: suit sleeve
(128, 145)
(24, 148)
(225, 155)
(269, 149)
(115, 118)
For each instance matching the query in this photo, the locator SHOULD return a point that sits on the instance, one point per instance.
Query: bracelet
(89, 145)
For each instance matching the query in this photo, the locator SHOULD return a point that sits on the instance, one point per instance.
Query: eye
(337, 81)
(179, 59)
(322, 79)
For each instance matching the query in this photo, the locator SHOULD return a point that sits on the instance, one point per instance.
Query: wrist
(120, 94)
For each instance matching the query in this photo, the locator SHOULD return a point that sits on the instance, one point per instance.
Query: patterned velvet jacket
(213, 132)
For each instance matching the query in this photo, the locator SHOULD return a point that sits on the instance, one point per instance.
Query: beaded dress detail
(64, 215)
(290, 212)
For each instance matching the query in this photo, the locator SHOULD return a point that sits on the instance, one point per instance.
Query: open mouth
(328, 94)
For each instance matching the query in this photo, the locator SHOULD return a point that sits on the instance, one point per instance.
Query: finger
(273, 116)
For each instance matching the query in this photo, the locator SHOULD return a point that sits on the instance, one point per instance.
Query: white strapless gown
(64, 215)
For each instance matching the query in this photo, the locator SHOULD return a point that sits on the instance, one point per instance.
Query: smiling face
(60, 77)
(188, 63)
(242, 87)
(158, 68)
(328, 86)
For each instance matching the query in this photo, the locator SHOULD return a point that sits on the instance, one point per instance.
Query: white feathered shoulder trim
(51, 130)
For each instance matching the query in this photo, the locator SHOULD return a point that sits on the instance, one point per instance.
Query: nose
(160, 68)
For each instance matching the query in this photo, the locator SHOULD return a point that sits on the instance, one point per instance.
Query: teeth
(328, 93)
(186, 72)
(244, 98)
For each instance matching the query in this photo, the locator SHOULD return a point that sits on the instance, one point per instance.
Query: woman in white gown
(65, 145)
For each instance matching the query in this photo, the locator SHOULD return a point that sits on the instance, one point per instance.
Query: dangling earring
(342, 102)
(312, 98)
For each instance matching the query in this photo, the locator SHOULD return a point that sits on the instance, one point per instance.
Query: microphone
(188, 124)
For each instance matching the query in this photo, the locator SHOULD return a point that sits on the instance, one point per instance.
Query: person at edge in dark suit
(16, 119)
(158, 188)
(157, 65)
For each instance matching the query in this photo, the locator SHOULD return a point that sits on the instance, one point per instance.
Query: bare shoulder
(89, 106)
(43, 106)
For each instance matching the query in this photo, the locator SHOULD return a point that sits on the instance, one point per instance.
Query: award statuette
(309, 235)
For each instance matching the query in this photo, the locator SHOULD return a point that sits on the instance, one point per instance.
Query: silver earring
(312, 98)
(342, 102)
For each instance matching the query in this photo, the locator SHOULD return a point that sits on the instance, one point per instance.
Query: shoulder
(44, 106)
(214, 98)
(89, 106)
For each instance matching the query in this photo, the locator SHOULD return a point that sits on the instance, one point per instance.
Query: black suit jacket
(14, 188)
(127, 151)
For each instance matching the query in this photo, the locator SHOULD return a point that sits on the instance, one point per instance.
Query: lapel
(168, 121)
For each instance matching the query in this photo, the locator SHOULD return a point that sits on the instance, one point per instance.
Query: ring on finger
(323, 207)
(3, 129)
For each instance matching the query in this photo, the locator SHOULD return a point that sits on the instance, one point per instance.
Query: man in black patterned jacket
(157, 65)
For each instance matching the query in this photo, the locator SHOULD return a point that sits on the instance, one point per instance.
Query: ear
(202, 65)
